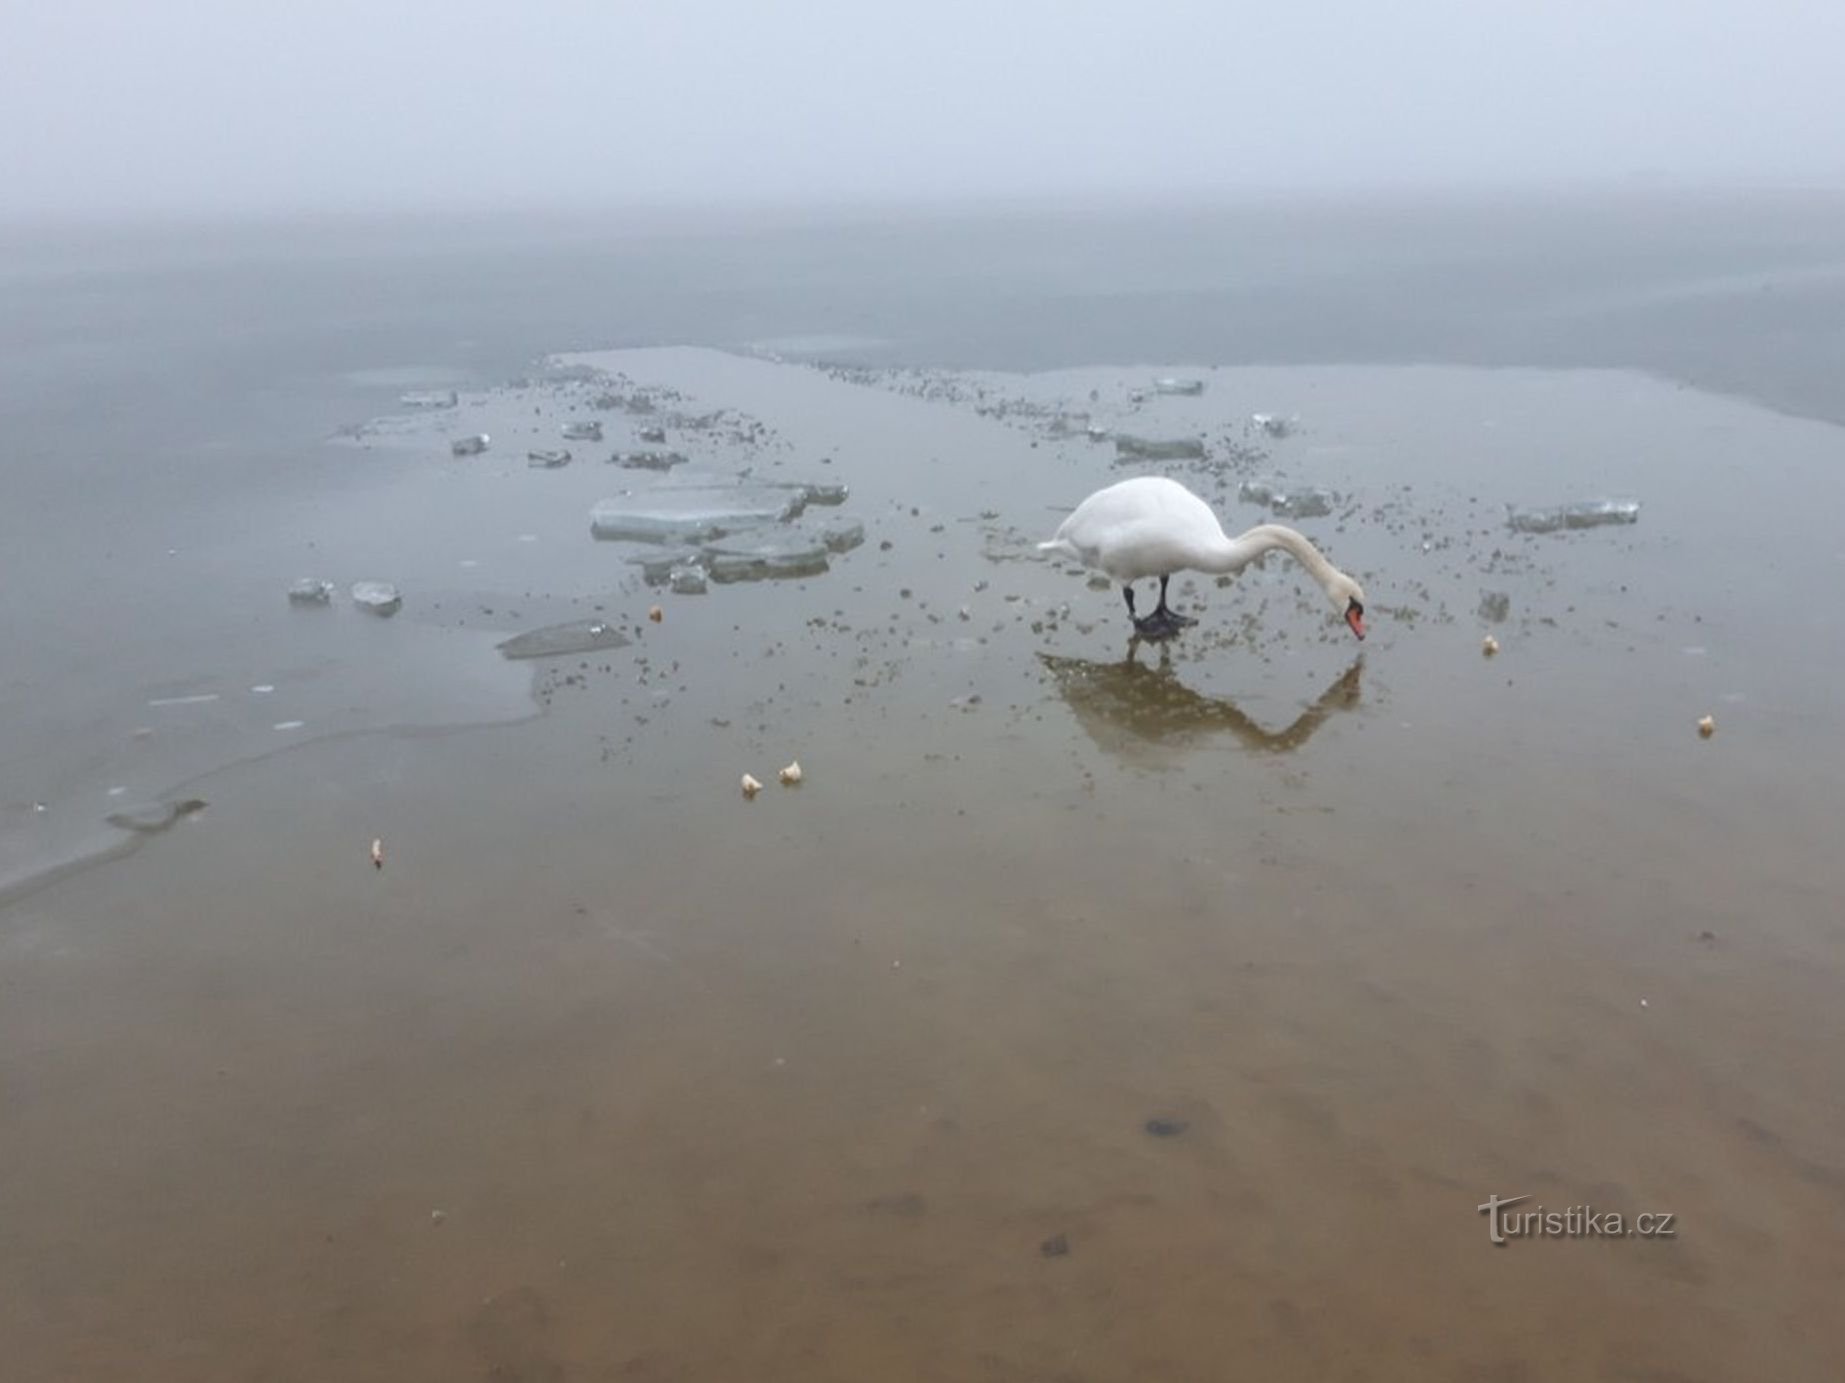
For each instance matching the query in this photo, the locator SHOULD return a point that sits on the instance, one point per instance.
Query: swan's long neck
(1233, 554)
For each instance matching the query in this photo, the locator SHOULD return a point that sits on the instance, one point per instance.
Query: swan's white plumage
(1148, 526)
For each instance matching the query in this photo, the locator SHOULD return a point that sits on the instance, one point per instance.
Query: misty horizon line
(882, 202)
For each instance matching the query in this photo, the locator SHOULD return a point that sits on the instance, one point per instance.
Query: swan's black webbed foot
(1161, 624)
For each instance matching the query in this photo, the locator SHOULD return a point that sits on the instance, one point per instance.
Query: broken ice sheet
(590, 431)
(763, 555)
(691, 514)
(1593, 513)
(575, 636)
(1178, 386)
(469, 446)
(309, 591)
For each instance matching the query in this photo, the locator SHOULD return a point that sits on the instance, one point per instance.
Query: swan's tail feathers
(1063, 545)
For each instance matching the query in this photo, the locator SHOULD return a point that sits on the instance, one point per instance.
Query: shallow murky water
(1090, 1010)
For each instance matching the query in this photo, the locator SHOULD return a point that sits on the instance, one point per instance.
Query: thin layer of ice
(1178, 386)
(547, 460)
(590, 431)
(1591, 513)
(687, 580)
(554, 640)
(310, 591)
(429, 398)
(649, 460)
(469, 446)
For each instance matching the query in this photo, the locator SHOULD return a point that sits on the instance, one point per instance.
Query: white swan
(1151, 526)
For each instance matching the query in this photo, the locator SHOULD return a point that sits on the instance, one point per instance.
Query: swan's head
(1348, 598)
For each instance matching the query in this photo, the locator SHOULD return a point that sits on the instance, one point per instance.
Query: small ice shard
(1150, 449)
(1592, 513)
(765, 556)
(153, 817)
(791, 774)
(691, 514)
(469, 446)
(308, 591)
(657, 568)
(288, 725)
(547, 460)
(376, 597)
(1178, 386)
(817, 491)
(555, 640)
(1495, 606)
(688, 580)
(1095, 432)
(1293, 501)
(649, 460)
(590, 431)
(1274, 424)
(197, 699)
(656, 435)
(842, 535)
(429, 398)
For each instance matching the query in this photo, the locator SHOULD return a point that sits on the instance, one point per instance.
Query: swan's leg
(1173, 617)
(1155, 626)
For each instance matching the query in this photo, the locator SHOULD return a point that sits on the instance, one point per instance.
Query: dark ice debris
(649, 460)
(469, 446)
(1592, 513)
(1495, 606)
(1149, 449)
(589, 431)
(547, 460)
(429, 398)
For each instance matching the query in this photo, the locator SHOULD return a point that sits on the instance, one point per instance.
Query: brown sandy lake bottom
(1087, 1012)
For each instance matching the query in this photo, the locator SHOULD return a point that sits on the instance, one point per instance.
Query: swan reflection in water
(1135, 711)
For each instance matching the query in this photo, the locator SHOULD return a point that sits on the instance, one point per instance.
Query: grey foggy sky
(230, 105)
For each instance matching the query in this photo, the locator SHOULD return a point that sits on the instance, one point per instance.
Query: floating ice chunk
(1495, 606)
(1293, 501)
(1178, 386)
(1591, 513)
(469, 446)
(590, 431)
(691, 514)
(657, 567)
(376, 597)
(1095, 432)
(649, 460)
(308, 591)
(766, 556)
(152, 817)
(1149, 449)
(655, 434)
(822, 492)
(842, 535)
(547, 460)
(554, 640)
(688, 580)
(429, 398)
(1274, 424)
